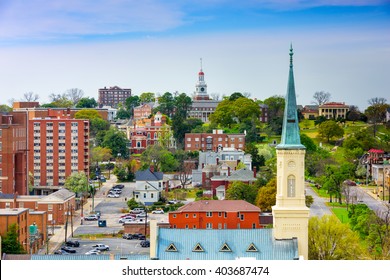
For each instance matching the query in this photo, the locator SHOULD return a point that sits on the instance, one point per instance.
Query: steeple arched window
(291, 186)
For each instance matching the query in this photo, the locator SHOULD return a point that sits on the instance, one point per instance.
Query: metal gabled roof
(240, 242)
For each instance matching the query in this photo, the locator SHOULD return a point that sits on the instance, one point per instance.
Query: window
(219, 214)
(144, 195)
(194, 226)
(194, 215)
(174, 215)
(209, 226)
(209, 214)
(151, 195)
(186, 226)
(253, 225)
(50, 207)
(225, 214)
(187, 215)
(291, 186)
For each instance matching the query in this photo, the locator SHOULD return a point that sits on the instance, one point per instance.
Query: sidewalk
(58, 238)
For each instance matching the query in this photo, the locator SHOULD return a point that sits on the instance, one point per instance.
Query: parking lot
(117, 246)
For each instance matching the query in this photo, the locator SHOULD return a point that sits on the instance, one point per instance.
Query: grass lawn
(341, 213)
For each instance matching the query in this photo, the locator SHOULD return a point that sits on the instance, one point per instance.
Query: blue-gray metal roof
(238, 240)
(147, 175)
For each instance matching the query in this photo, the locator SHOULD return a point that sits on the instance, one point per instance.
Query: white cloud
(36, 18)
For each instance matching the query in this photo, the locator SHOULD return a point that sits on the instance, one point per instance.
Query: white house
(149, 185)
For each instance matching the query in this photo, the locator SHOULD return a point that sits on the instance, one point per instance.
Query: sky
(340, 46)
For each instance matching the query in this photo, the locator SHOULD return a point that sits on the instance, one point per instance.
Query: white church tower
(201, 86)
(290, 214)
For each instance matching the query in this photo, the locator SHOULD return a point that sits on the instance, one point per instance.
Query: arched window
(291, 186)
(148, 135)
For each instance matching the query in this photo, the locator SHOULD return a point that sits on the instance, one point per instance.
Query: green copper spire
(290, 133)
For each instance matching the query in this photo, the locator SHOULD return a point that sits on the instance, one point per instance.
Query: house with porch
(148, 186)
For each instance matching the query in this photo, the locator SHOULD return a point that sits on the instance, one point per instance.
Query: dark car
(60, 252)
(127, 236)
(71, 243)
(68, 249)
(119, 186)
(145, 243)
(139, 236)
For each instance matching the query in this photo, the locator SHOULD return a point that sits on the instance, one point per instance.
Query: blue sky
(341, 46)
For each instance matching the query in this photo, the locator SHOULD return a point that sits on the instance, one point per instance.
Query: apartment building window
(209, 214)
(194, 226)
(75, 124)
(61, 124)
(37, 124)
(242, 217)
(197, 139)
(49, 124)
(253, 225)
(240, 139)
(174, 215)
(219, 226)
(187, 215)
(50, 207)
(186, 226)
(21, 205)
(7, 205)
(209, 226)
(194, 215)
(188, 145)
(219, 214)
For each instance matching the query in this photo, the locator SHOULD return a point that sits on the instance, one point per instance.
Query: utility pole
(66, 223)
(71, 220)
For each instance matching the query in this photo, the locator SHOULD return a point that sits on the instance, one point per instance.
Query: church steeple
(201, 86)
(290, 133)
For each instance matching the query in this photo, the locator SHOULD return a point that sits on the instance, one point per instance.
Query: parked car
(158, 211)
(129, 215)
(120, 186)
(61, 252)
(126, 220)
(139, 236)
(145, 243)
(113, 195)
(68, 249)
(127, 236)
(137, 211)
(71, 243)
(141, 215)
(101, 247)
(92, 217)
(93, 252)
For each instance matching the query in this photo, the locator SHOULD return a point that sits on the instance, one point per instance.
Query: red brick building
(24, 218)
(216, 214)
(214, 141)
(58, 147)
(13, 153)
(55, 204)
(146, 132)
(143, 111)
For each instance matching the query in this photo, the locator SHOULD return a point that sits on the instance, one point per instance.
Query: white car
(126, 220)
(101, 247)
(141, 215)
(160, 211)
(93, 252)
(113, 195)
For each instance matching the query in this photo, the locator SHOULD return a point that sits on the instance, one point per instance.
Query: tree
(88, 114)
(266, 196)
(276, 106)
(74, 95)
(30, 96)
(257, 160)
(235, 96)
(5, 108)
(183, 104)
(99, 154)
(167, 104)
(122, 114)
(77, 182)
(321, 97)
(86, 102)
(98, 125)
(330, 129)
(116, 141)
(353, 114)
(10, 243)
(240, 191)
(335, 175)
(377, 111)
(131, 102)
(185, 167)
(146, 97)
(329, 239)
(308, 143)
(60, 100)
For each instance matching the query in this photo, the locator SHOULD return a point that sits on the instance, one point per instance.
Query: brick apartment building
(214, 141)
(58, 147)
(24, 218)
(113, 96)
(143, 111)
(13, 153)
(216, 214)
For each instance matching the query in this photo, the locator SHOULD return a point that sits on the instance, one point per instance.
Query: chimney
(254, 171)
(15, 197)
(151, 168)
(217, 160)
(202, 165)
(228, 170)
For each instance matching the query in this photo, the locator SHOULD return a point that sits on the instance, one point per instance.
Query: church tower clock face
(202, 89)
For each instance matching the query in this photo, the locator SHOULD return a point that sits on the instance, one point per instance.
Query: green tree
(308, 143)
(160, 158)
(353, 114)
(10, 243)
(235, 96)
(330, 129)
(77, 182)
(266, 196)
(99, 154)
(116, 141)
(319, 120)
(60, 100)
(276, 106)
(122, 114)
(5, 108)
(223, 114)
(131, 102)
(98, 125)
(88, 114)
(86, 102)
(167, 104)
(329, 239)
(147, 97)
(334, 178)
(376, 112)
(241, 191)
(183, 104)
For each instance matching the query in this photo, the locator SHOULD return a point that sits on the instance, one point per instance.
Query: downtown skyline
(341, 47)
